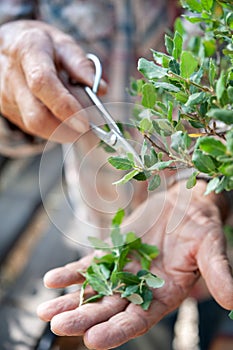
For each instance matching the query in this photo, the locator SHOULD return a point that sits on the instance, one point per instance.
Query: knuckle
(33, 122)
(37, 79)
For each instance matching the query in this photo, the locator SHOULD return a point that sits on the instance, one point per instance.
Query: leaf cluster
(187, 95)
(107, 275)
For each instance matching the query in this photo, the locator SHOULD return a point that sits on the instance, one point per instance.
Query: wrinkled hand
(32, 96)
(189, 235)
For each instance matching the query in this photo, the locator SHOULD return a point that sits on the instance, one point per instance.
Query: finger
(36, 118)
(47, 310)
(62, 277)
(76, 322)
(42, 79)
(215, 268)
(75, 62)
(122, 327)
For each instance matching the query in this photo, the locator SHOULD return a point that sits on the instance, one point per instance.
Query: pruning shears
(114, 137)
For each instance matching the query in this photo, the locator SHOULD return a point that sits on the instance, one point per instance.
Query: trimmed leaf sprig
(107, 275)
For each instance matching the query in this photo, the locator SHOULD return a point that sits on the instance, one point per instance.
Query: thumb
(215, 268)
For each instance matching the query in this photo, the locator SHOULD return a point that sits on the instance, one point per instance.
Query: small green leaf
(224, 115)
(127, 277)
(154, 281)
(226, 169)
(97, 280)
(174, 67)
(135, 299)
(166, 86)
(212, 146)
(129, 290)
(150, 70)
(149, 250)
(212, 71)
(180, 141)
(147, 296)
(127, 177)
(188, 64)
(98, 243)
(221, 86)
(203, 162)
(231, 315)
(145, 125)
(207, 4)
(154, 182)
(177, 48)
(196, 98)
(120, 163)
(148, 95)
(212, 185)
(161, 165)
(169, 44)
(192, 180)
(229, 138)
(192, 5)
(118, 217)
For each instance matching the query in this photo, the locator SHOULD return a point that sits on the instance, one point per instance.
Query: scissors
(114, 138)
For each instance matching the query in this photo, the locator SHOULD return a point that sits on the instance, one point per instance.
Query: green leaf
(162, 127)
(98, 243)
(148, 250)
(154, 182)
(127, 177)
(150, 70)
(231, 315)
(177, 48)
(181, 97)
(224, 115)
(207, 4)
(196, 98)
(229, 144)
(116, 237)
(174, 67)
(145, 125)
(226, 169)
(230, 93)
(180, 141)
(97, 280)
(118, 217)
(192, 5)
(192, 180)
(161, 165)
(188, 64)
(212, 146)
(154, 281)
(203, 162)
(135, 299)
(129, 290)
(127, 277)
(212, 71)
(120, 163)
(169, 44)
(147, 296)
(166, 86)
(221, 86)
(179, 27)
(212, 185)
(148, 95)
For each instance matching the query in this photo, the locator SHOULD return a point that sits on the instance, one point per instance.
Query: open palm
(188, 232)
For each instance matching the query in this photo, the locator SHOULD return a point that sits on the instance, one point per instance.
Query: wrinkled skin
(32, 95)
(194, 247)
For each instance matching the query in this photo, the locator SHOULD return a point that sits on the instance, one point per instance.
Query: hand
(32, 96)
(191, 243)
